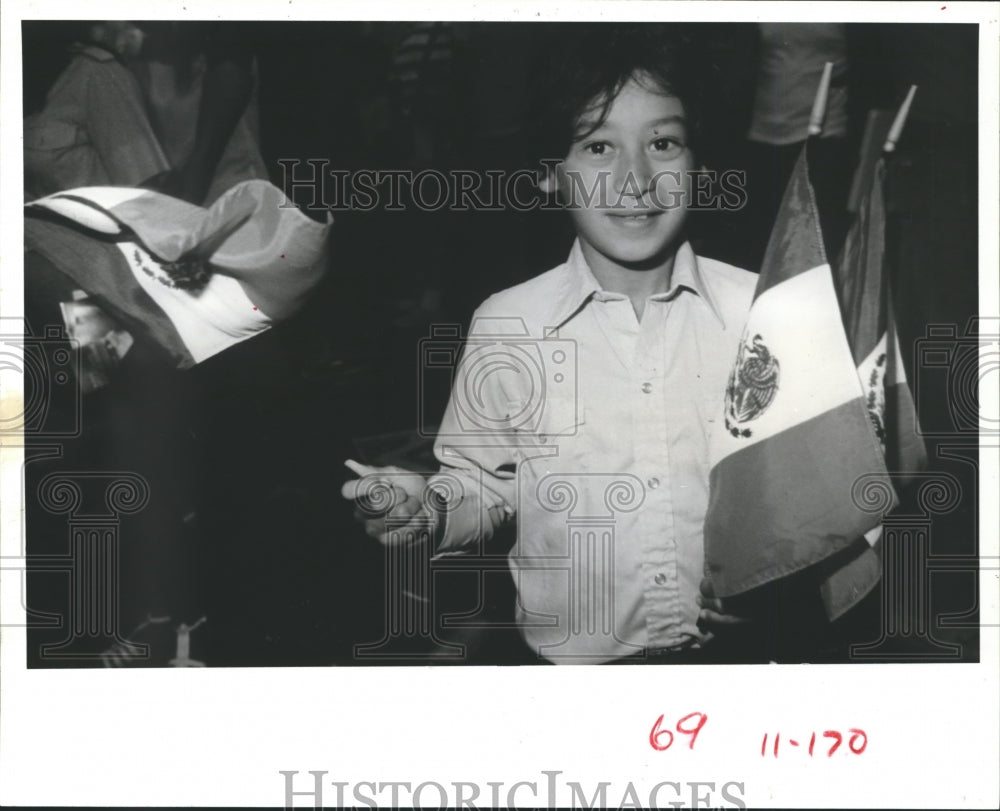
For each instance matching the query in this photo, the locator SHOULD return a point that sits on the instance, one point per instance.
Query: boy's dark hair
(580, 64)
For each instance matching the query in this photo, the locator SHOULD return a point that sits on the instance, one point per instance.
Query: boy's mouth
(635, 217)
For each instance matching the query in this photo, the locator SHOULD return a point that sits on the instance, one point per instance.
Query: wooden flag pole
(897, 126)
(876, 129)
(819, 103)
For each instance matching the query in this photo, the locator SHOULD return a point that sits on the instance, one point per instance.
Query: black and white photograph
(340, 352)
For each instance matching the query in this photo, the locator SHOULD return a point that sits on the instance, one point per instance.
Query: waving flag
(816, 382)
(193, 280)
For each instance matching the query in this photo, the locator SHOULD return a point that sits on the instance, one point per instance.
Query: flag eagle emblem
(752, 385)
(875, 398)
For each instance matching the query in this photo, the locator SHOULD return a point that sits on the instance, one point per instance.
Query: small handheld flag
(817, 400)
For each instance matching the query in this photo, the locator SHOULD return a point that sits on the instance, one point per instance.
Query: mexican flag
(193, 280)
(816, 403)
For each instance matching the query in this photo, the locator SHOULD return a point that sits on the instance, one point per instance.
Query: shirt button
(647, 388)
(660, 579)
(653, 483)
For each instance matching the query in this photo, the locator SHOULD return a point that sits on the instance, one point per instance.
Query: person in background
(93, 129)
(790, 61)
(199, 81)
(167, 106)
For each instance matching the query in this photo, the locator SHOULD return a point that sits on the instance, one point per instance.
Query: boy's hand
(713, 615)
(387, 495)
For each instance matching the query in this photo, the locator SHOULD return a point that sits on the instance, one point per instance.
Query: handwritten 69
(661, 738)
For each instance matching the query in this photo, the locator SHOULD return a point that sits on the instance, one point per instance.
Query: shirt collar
(579, 285)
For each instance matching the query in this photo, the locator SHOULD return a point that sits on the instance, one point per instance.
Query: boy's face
(626, 183)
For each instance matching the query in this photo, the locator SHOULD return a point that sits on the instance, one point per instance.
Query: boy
(586, 396)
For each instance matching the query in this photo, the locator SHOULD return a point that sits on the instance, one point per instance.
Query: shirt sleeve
(477, 444)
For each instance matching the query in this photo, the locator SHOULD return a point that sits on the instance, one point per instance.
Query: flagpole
(819, 103)
(897, 125)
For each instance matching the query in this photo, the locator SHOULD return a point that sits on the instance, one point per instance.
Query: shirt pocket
(556, 433)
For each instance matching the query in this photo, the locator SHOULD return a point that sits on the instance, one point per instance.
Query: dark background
(243, 454)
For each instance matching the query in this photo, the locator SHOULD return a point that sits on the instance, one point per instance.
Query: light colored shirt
(93, 130)
(96, 130)
(591, 429)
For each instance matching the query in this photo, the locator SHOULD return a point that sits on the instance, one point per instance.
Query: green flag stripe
(795, 504)
(859, 276)
(796, 243)
(98, 267)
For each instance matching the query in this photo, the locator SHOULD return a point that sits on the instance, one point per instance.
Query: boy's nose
(632, 176)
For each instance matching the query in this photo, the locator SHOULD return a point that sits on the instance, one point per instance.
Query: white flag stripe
(80, 213)
(105, 197)
(799, 324)
(876, 361)
(898, 366)
(871, 374)
(208, 320)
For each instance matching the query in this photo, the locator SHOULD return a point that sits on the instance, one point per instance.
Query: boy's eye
(665, 144)
(597, 148)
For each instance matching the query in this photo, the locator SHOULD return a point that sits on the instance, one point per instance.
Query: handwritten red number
(692, 730)
(830, 733)
(857, 733)
(691, 724)
(857, 744)
(656, 734)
